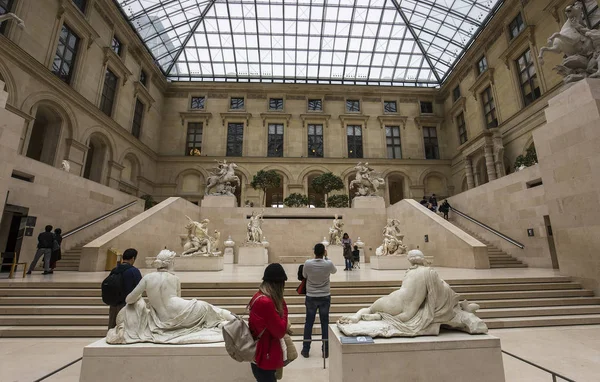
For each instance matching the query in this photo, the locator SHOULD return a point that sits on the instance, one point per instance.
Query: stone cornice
(194, 116)
(354, 117)
(275, 116)
(143, 93)
(235, 116)
(22, 114)
(77, 144)
(315, 116)
(527, 36)
(428, 120)
(146, 180)
(459, 105)
(36, 69)
(76, 21)
(483, 79)
(389, 119)
(209, 160)
(115, 62)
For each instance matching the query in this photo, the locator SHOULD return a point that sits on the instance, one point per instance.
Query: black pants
(263, 375)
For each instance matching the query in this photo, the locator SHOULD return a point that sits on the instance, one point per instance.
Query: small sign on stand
(356, 340)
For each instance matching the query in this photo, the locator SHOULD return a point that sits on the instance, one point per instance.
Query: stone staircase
(75, 309)
(498, 258)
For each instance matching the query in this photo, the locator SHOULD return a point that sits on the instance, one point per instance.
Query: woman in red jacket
(269, 321)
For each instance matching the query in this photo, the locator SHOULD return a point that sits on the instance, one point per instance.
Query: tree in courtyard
(296, 200)
(338, 201)
(327, 182)
(264, 180)
(529, 159)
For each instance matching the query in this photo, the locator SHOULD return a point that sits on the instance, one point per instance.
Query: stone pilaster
(489, 162)
(469, 171)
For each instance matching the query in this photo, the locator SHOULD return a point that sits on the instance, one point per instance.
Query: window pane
(315, 141)
(138, 117)
(235, 137)
(352, 105)
(80, 4)
(116, 45)
(390, 107)
(276, 104)
(194, 140)
(66, 53)
(109, 92)
(198, 103)
(275, 142)
(315, 105)
(236, 103)
(426, 107)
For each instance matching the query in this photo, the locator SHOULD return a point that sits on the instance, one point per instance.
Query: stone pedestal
(335, 253)
(228, 256)
(368, 202)
(451, 356)
(199, 263)
(158, 363)
(257, 255)
(389, 262)
(219, 201)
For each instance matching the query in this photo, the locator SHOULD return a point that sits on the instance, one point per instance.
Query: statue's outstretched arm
(137, 292)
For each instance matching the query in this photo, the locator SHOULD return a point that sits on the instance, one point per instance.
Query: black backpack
(112, 286)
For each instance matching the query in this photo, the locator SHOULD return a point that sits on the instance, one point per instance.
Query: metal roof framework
(357, 42)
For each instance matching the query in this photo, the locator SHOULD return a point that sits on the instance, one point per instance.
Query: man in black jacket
(131, 278)
(44, 248)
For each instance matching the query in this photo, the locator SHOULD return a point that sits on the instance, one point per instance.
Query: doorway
(12, 230)
(551, 245)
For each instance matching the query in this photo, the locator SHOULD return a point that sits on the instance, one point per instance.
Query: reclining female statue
(423, 304)
(166, 318)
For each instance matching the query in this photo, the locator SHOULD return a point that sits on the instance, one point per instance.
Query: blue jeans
(312, 305)
(348, 263)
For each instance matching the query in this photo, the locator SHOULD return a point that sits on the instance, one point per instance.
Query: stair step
(539, 311)
(524, 322)
(53, 331)
(509, 266)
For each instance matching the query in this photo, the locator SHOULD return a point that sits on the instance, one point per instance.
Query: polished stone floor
(571, 351)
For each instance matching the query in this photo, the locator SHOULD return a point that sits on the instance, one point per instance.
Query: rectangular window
(5, 7)
(197, 103)
(592, 13)
(66, 53)
(138, 117)
(236, 103)
(516, 26)
(462, 128)
(530, 87)
(353, 106)
(116, 45)
(144, 78)
(390, 107)
(275, 144)
(456, 93)
(482, 65)
(392, 137)
(489, 108)
(109, 93)
(276, 104)
(426, 107)
(235, 139)
(194, 137)
(355, 144)
(315, 105)
(80, 4)
(431, 143)
(315, 141)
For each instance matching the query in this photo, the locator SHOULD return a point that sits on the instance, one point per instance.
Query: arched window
(96, 158)
(315, 199)
(45, 135)
(274, 196)
(396, 188)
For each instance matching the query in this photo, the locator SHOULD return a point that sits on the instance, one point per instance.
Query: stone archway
(315, 199)
(274, 196)
(131, 169)
(97, 158)
(44, 138)
(395, 186)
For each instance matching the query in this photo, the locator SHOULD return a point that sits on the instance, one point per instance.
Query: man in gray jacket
(318, 296)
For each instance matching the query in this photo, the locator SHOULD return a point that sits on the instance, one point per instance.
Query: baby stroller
(356, 258)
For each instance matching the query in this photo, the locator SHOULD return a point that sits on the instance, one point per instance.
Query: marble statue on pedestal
(366, 181)
(335, 232)
(197, 241)
(222, 179)
(420, 307)
(65, 165)
(12, 16)
(254, 232)
(392, 240)
(166, 318)
(579, 45)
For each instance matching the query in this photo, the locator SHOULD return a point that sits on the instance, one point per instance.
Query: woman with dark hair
(56, 252)
(268, 323)
(347, 243)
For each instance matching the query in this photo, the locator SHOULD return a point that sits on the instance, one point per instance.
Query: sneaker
(28, 272)
(48, 273)
(304, 353)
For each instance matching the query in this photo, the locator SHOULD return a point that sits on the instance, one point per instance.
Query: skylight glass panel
(391, 42)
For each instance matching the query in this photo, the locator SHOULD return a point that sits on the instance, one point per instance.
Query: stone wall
(11, 126)
(569, 155)
(449, 245)
(510, 206)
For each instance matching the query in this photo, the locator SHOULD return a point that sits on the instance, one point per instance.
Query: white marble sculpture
(197, 241)
(578, 44)
(392, 240)
(335, 232)
(65, 165)
(367, 182)
(222, 179)
(12, 16)
(423, 304)
(254, 232)
(166, 318)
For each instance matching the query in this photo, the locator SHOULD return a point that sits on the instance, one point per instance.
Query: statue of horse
(366, 186)
(221, 181)
(571, 40)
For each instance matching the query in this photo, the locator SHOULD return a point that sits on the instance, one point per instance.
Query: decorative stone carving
(392, 240)
(167, 318)
(197, 241)
(195, 152)
(335, 232)
(325, 242)
(579, 45)
(65, 165)
(229, 242)
(254, 232)
(423, 304)
(222, 179)
(366, 181)
(12, 16)
(359, 243)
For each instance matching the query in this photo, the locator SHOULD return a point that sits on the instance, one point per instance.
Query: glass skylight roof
(374, 42)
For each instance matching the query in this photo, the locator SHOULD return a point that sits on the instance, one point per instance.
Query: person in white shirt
(318, 296)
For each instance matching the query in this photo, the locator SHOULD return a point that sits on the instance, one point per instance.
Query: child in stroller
(356, 258)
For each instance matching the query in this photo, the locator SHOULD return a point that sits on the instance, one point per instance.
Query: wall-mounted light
(427, 238)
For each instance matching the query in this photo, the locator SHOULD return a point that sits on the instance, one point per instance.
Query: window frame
(421, 103)
(9, 9)
(194, 144)
(531, 80)
(271, 99)
(520, 26)
(238, 144)
(348, 109)
(389, 102)
(143, 78)
(75, 52)
(137, 124)
(456, 93)
(461, 126)
(309, 100)
(487, 99)
(191, 102)
(104, 97)
(243, 101)
(393, 144)
(483, 59)
(120, 48)
(315, 136)
(428, 141)
(81, 5)
(588, 13)
(355, 146)
(275, 138)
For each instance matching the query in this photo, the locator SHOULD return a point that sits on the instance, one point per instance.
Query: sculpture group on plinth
(197, 241)
(392, 240)
(579, 45)
(420, 307)
(222, 179)
(335, 231)
(254, 250)
(254, 232)
(166, 318)
(366, 182)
